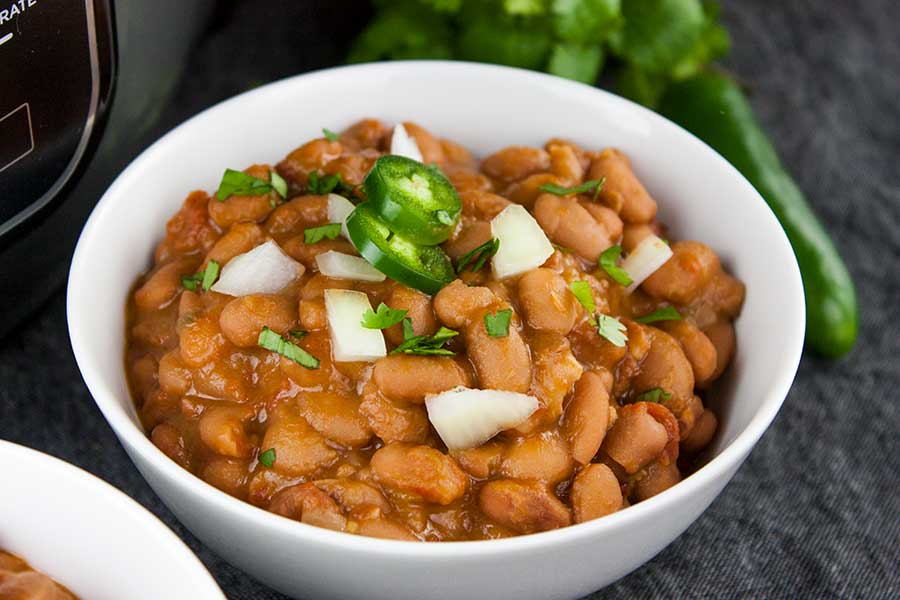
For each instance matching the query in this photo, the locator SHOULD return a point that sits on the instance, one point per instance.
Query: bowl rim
(135, 439)
(112, 499)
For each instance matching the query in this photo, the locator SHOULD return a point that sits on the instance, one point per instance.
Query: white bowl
(485, 108)
(91, 537)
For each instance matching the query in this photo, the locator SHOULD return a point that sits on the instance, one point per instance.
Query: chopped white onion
(350, 341)
(339, 208)
(650, 254)
(264, 270)
(523, 244)
(466, 418)
(344, 266)
(403, 144)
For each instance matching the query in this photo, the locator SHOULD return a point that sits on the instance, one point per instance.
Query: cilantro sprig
(425, 345)
(497, 324)
(270, 340)
(202, 279)
(314, 235)
(653, 395)
(668, 313)
(594, 185)
(238, 183)
(383, 317)
(267, 458)
(607, 327)
(608, 261)
(319, 185)
(330, 135)
(477, 257)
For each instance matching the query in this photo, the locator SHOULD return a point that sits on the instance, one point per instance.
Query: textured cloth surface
(815, 510)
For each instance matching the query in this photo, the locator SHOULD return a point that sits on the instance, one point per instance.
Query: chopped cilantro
(612, 329)
(267, 458)
(497, 324)
(330, 135)
(202, 279)
(669, 313)
(584, 295)
(383, 317)
(478, 256)
(238, 183)
(608, 262)
(594, 185)
(653, 395)
(423, 344)
(314, 235)
(270, 340)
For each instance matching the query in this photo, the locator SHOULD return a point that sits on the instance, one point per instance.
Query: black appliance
(81, 84)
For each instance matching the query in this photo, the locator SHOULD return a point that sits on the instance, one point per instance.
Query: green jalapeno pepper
(425, 268)
(415, 200)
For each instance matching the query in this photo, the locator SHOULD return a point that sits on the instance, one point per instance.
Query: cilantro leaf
(584, 295)
(575, 61)
(612, 329)
(191, 282)
(477, 257)
(320, 185)
(202, 279)
(383, 318)
(653, 395)
(608, 261)
(278, 184)
(422, 344)
(669, 313)
(497, 324)
(586, 21)
(267, 458)
(270, 340)
(314, 235)
(330, 135)
(594, 185)
(659, 33)
(238, 183)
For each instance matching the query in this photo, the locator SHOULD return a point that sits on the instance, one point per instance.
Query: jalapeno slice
(425, 268)
(416, 200)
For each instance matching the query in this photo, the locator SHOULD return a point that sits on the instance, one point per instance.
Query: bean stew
(383, 335)
(19, 581)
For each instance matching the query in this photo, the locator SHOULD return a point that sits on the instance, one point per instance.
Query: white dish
(91, 537)
(485, 108)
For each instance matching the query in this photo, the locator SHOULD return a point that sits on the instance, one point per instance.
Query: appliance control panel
(56, 66)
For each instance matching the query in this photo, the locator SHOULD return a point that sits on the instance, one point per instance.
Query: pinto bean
(367, 133)
(309, 157)
(721, 334)
(658, 478)
(298, 214)
(456, 303)
(227, 474)
(470, 236)
(163, 284)
(702, 433)
(634, 234)
(420, 470)
(542, 457)
(237, 208)
(411, 378)
(174, 376)
(300, 450)
(622, 187)
(418, 311)
(587, 416)
(429, 146)
(222, 431)
(681, 279)
(698, 348)
(482, 205)
(724, 295)
(467, 180)
(568, 224)
(595, 493)
(565, 164)
(481, 461)
(554, 373)
(243, 318)
(391, 420)
(354, 495)
(501, 363)
(168, 438)
(352, 168)
(606, 217)
(297, 248)
(202, 340)
(456, 155)
(240, 238)
(189, 230)
(547, 304)
(527, 191)
(308, 504)
(335, 416)
(665, 366)
(636, 439)
(515, 162)
(522, 507)
(386, 529)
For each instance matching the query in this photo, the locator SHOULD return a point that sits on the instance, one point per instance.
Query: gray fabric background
(814, 510)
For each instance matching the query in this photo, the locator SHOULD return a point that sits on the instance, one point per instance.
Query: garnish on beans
(314, 235)
(319, 185)
(653, 395)
(497, 324)
(476, 258)
(425, 345)
(668, 313)
(607, 327)
(267, 458)
(270, 340)
(594, 185)
(330, 135)
(238, 183)
(383, 317)
(608, 261)
(203, 279)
